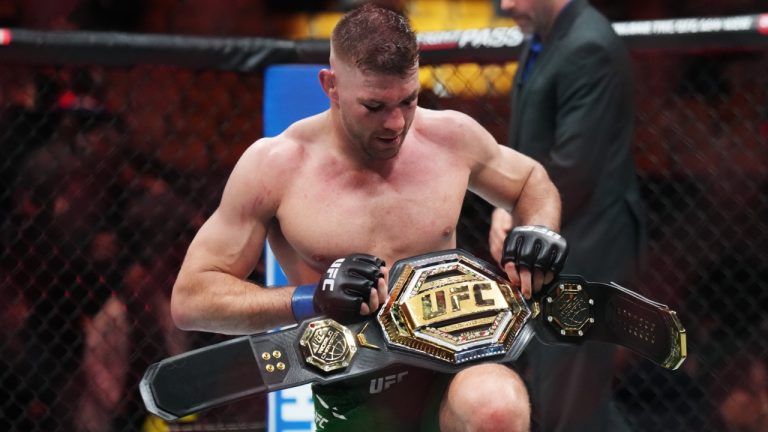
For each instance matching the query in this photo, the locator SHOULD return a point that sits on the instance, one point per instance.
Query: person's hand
(352, 286)
(379, 293)
(501, 224)
(533, 256)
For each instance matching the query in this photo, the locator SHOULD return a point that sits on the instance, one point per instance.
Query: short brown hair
(376, 39)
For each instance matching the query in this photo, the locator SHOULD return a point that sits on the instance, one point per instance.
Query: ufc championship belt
(446, 311)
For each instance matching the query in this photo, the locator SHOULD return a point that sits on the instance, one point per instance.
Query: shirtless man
(375, 174)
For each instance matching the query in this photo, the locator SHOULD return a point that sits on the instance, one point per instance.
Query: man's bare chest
(322, 221)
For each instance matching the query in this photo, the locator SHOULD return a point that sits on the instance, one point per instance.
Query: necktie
(533, 53)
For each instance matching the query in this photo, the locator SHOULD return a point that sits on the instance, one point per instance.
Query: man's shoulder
(451, 130)
(448, 128)
(440, 122)
(288, 148)
(592, 37)
(268, 157)
(592, 27)
(305, 132)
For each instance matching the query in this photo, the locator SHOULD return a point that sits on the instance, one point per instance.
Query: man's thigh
(394, 399)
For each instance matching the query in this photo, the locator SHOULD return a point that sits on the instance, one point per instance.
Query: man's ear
(328, 83)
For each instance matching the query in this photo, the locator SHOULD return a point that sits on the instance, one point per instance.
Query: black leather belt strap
(574, 309)
(251, 365)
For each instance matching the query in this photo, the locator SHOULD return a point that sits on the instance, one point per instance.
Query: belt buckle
(455, 308)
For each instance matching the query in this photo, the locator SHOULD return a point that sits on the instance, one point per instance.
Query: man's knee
(487, 397)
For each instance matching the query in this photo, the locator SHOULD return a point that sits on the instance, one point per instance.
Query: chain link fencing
(107, 172)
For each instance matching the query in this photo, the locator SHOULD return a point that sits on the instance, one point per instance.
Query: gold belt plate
(454, 308)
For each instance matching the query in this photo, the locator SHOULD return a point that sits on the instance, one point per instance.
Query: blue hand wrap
(302, 302)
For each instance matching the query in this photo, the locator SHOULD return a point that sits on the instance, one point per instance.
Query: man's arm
(535, 201)
(509, 179)
(210, 293)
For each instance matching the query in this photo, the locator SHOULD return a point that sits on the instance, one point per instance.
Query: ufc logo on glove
(332, 270)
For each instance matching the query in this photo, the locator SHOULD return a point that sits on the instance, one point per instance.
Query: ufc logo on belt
(457, 294)
(332, 270)
(383, 383)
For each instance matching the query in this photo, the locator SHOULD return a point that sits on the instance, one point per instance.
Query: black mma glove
(344, 287)
(535, 247)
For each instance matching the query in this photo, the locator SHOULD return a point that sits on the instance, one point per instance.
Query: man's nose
(507, 4)
(395, 120)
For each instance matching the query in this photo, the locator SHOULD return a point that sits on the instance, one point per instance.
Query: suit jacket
(574, 114)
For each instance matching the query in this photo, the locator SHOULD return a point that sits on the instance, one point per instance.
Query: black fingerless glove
(345, 286)
(535, 247)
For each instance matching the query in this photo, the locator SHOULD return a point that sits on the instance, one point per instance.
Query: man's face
(377, 109)
(533, 16)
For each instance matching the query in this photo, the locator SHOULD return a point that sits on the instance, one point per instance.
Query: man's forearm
(539, 201)
(221, 303)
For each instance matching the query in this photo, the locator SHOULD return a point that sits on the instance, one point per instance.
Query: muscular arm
(509, 179)
(210, 293)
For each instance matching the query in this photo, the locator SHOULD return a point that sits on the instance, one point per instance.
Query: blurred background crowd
(107, 172)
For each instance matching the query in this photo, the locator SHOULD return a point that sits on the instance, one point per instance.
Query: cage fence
(108, 171)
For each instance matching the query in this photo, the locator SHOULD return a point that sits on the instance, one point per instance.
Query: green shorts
(400, 399)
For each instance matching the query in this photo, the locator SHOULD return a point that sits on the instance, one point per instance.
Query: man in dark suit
(572, 110)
